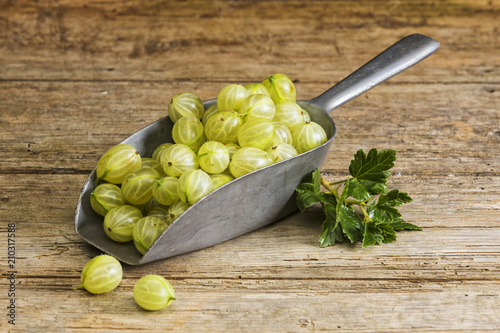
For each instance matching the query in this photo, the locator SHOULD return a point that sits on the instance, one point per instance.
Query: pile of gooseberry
(249, 127)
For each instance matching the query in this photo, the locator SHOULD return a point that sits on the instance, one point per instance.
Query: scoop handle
(395, 59)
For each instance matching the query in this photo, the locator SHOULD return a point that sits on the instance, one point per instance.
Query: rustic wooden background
(77, 77)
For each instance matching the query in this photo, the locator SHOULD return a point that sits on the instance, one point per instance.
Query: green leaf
(372, 234)
(350, 223)
(306, 196)
(393, 199)
(316, 180)
(384, 210)
(331, 232)
(400, 224)
(370, 170)
(330, 212)
(358, 191)
(344, 194)
(308, 193)
(375, 187)
(370, 174)
(329, 236)
(327, 197)
(377, 233)
(387, 232)
(347, 216)
(383, 215)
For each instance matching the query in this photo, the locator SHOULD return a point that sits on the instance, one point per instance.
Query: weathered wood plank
(264, 305)
(76, 77)
(444, 132)
(467, 246)
(158, 40)
(289, 250)
(456, 198)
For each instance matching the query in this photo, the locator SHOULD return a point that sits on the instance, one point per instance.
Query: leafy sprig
(360, 207)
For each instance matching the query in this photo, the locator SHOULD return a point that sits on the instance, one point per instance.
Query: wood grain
(77, 77)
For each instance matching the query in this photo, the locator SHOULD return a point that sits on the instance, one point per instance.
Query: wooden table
(77, 77)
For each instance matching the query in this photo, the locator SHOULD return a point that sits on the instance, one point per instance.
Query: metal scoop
(255, 199)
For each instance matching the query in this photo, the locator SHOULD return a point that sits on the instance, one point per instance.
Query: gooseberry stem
(347, 202)
(363, 210)
(329, 187)
(339, 182)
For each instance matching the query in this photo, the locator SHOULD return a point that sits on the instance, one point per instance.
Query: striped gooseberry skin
(153, 292)
(289, 113)
(308, 136)
(159, 151)
(146, 231)
(307, 117)
(232, 148)
(101, 274)
(213, 157)
(281, 152)
(106, 197)
(194, 185)
(137, 186)
(257, 106)
(117, 163)
(223, 127)
(256, 88)
(159, 212)
(281, 88)
(175, 210)
(231, 96)
(165, 190)
(248, 159)
(282, 135)
(257, 133)
(178, 159)
(189, 131)
(209, 113)
(185, 104)
(145, 208)
(220, 179)
(119, 222)
(148, 162)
